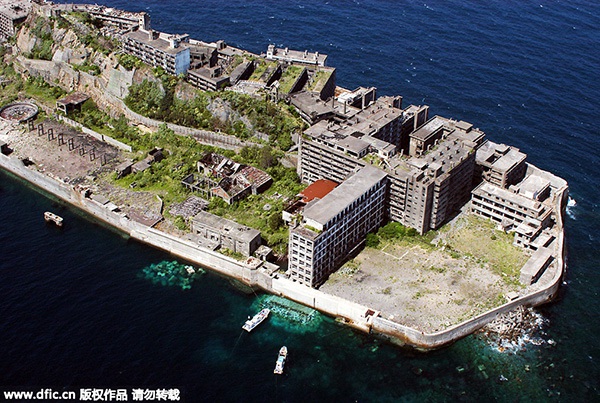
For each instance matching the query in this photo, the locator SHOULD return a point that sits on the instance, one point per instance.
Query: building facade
(171, 52)
(425, 189)
(336, 224)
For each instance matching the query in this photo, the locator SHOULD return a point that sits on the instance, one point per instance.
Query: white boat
(280, 360)
(256, 320)
(48, 216)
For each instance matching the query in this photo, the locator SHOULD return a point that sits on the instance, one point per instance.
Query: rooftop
(532, 186)
(317, 190)
(74, 99)
(159, 43)
(14, 9)
(224, 225)
(500, 156)
(429, 128)
(322, 211)
(298, 56)
(504, 194)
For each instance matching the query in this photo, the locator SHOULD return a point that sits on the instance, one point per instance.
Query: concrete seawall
(352, 313)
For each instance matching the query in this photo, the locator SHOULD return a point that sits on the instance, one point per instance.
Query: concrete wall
(161, 240)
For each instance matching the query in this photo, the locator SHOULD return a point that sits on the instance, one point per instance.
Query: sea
(78, 311)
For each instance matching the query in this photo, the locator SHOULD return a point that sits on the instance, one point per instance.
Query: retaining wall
(204, 136)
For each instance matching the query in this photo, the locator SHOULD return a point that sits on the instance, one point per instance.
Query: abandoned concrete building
(316, 190)
(12, 13)
(211, 67)
(525, 208)
(294, 56)
(158, 49)
(222, 233)
(431, 167)
(333, 226)
(71, 102)
(425, 187)
(368, 159)
(500, 164)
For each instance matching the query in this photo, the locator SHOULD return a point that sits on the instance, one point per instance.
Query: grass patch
(235, 255)
(289, 77)
(479, 239)
(319, 80)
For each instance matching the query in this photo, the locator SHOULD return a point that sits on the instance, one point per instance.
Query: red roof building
(317, 190)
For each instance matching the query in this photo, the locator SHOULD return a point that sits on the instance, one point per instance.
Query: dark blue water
(74, 312)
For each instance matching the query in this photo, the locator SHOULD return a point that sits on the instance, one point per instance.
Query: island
(412, 227)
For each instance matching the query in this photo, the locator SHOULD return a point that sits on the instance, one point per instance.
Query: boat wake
(570, 205)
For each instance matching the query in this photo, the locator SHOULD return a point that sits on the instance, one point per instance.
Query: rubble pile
(512, 330)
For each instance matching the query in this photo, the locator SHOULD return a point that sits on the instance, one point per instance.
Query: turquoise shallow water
(74, 311)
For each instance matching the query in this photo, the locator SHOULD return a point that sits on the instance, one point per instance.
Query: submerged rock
(172, 274)
(297, 318)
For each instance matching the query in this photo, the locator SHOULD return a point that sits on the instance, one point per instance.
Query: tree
(275, 221)
(266, 157)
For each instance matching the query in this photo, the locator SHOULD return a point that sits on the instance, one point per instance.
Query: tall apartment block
(333, 226)
(426, 186)
(171, 52)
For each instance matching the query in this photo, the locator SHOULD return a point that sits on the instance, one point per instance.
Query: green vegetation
(440, 270)
(38, 88)
(32, 87)
(319, 80)
(156, 100)
(232, 254)
(496, 250)
(164, 177)
(42, 30)
(87, 67)
(253, 212)
(278, 121)
(237, 60)
(129, 62)
(397, 233)
(87, 32)
(289, 77)
(260, 69)
(372, 240)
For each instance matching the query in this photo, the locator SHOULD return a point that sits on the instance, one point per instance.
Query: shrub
(372, 240)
